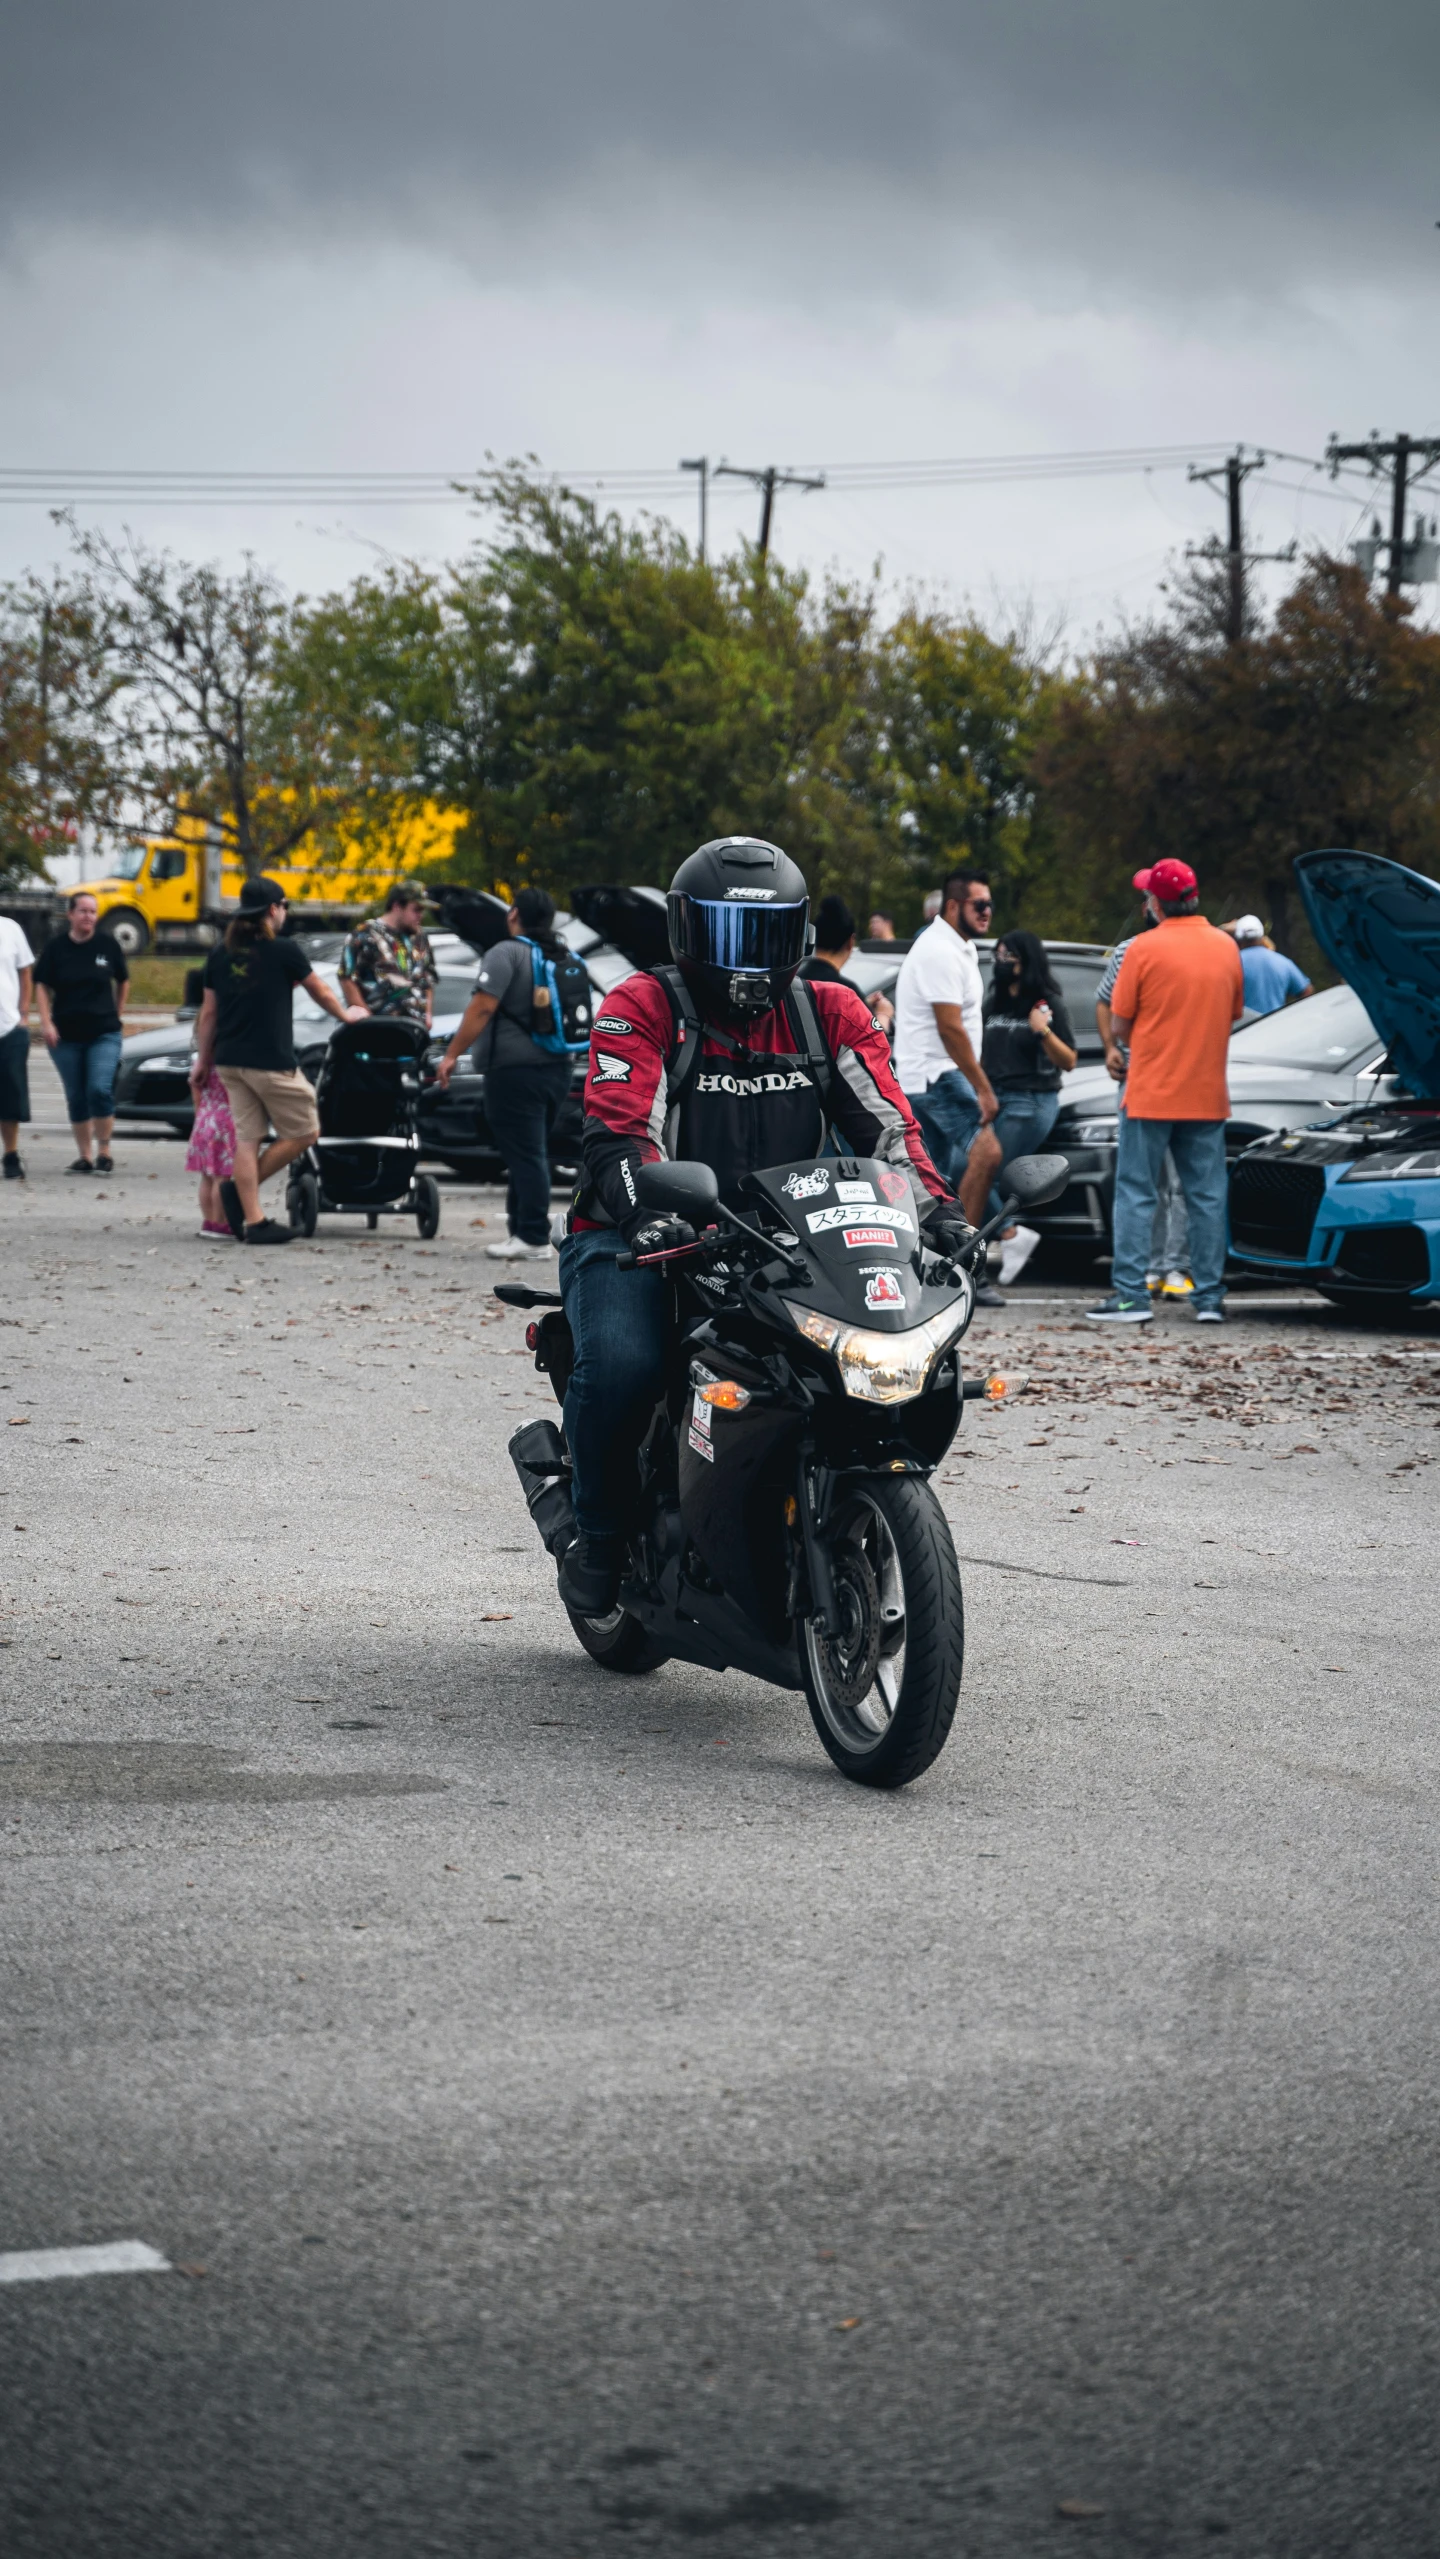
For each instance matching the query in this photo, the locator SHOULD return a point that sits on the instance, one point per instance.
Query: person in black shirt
(1028, 1046)
(834, 943)
(81, 982)
(246, 1031)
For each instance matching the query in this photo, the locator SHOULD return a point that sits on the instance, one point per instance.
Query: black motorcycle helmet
(739, 925)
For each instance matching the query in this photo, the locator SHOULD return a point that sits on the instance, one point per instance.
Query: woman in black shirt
(1028, 1046)
(81, 982)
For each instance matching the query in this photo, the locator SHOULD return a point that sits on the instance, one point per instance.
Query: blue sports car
(1353, 1204)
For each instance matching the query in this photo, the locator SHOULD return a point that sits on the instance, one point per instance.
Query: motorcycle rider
(724, 1059)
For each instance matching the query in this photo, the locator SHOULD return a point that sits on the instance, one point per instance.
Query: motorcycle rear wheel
(883, 1690)
(619, 1642)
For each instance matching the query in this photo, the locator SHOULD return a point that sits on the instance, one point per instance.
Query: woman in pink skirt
(211, 1154)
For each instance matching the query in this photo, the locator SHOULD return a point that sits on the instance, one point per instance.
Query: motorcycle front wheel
(883, 1685)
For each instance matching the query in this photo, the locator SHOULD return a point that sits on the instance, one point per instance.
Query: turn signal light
(727, 1393)
(1000, 1384)
(532, 1337)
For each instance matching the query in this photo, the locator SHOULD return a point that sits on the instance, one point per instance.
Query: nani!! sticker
(863, 1239)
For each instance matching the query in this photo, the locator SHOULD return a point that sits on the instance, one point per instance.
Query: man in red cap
(1177, 998)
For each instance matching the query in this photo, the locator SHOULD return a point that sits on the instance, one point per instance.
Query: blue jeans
(949, 1116)
(1170, 1234)
(621, 1322)
(1198, 1147)
(86, 1068)
(1022, 1124)
(521, 1105)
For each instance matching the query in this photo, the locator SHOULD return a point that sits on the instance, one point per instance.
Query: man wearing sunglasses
(938, 1031)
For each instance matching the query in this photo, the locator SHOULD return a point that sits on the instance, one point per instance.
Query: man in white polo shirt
(937, 1039)
(17, 963)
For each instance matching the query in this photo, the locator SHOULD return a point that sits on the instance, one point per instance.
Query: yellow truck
(176, 893)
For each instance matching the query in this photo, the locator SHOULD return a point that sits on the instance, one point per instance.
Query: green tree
(962, 710)
(1323, 728)
(213, 708)
(54, 686)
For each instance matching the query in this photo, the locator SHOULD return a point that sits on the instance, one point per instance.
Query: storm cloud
(1229, 142)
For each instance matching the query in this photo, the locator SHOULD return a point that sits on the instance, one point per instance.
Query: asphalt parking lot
(573, 2120)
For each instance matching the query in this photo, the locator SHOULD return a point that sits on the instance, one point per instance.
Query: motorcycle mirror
(679, 1190)
(1033, 1179)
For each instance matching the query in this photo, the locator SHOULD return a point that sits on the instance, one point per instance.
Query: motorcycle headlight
(1423, 1165)
(883, 1368)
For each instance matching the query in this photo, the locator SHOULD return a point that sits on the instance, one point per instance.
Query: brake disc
(850, 1658)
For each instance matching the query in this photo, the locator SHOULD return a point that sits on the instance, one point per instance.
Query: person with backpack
(531, 1010)
(727, 1057)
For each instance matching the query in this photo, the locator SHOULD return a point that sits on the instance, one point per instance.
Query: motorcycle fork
(812, 1502)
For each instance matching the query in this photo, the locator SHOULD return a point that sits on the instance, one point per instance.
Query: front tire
(303, 1203)
(883, 1690)
(619, 1642)
(427, 1206)
(129, 929)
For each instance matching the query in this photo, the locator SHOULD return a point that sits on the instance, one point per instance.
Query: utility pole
(702, 465)
(1236, 471)
(1404, 454)
(767, 481)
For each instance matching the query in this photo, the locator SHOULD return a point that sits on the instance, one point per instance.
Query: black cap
(258, 896)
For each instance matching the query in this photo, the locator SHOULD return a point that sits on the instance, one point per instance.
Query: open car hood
(1380, 925)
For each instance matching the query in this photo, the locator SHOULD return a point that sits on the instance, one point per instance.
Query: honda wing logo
(612, 1070)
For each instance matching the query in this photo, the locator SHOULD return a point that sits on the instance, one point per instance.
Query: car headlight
(1092, 1133)
(883, 1368)
(1423, 1165)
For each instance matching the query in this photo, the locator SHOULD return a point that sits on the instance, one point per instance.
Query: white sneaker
(1177, 1284)
(512, 1250)
(1015, 1252)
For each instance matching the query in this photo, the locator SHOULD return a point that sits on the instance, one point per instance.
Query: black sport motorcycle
(785, 1522)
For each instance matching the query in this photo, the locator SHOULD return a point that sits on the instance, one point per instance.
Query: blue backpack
(561, 999)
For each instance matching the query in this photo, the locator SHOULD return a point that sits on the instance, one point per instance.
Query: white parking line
(116, 2257)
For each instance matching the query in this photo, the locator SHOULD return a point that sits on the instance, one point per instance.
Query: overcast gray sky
(308, 234)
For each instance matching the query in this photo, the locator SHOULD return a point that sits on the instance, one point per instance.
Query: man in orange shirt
(1179, 994)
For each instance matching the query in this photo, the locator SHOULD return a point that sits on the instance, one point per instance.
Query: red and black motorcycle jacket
(662, 1081)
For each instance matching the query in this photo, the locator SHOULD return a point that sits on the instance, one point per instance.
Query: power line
(58, 486)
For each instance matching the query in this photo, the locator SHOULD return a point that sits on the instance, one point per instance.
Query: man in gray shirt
(525, 1084)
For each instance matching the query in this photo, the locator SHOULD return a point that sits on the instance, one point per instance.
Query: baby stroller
(367, 1156)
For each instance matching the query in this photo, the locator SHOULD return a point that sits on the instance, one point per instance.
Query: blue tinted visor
(735, 934)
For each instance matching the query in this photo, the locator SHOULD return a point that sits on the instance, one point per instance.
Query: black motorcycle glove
(649, 1235)
(948, 1230)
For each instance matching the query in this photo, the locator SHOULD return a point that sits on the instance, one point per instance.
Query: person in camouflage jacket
(387, 964)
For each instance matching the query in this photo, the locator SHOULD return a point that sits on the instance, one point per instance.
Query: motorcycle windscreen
(1379, 925)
